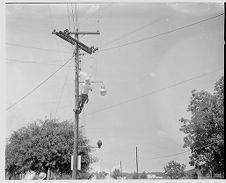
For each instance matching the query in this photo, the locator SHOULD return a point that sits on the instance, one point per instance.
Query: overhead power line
(37, 48)
(73, 17)
(61, 93)
(69, 24)
(153, 92)
(132, 32)
(68, 16)
(39, 85)
(16, 61)
(161, 34)
(176, 154)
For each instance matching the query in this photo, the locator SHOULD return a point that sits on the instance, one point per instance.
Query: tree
(205, 130)
(134, 176)
(192, 174)
(116, 173)
(174, 170)
(143, 175)
(45, 146)
(101, 175)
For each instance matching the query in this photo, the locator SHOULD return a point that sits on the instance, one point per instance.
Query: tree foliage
(134, 175)
(143, 175)
(192, 175)
(174, 170)
(116, 173)
(205, 130)
(45, 145)
(100, 175)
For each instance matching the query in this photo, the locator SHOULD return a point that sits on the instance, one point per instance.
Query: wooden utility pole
(76, 125)
(137, 163)
(121, 167)
(78, 45)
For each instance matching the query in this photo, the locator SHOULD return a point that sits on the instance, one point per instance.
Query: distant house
(153, 176)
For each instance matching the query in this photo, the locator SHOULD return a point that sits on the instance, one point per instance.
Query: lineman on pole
(83, 98)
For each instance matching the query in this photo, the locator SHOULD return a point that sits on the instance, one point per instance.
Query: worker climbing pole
(66, 35)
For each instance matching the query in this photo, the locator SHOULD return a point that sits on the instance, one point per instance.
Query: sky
(149, 72)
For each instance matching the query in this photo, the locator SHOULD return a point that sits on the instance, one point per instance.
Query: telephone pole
(121, 168)
(137, 163)
(76, 125)
(78, 45)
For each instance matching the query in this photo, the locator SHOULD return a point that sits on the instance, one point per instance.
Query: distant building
(153, 176)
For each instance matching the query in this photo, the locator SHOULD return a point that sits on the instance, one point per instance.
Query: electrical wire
(98, 67)
(153, 92)
(68, 16)
(51, 17)
(31, 47)
(134, 31)
(39, 85)
(73, 18)
(16, 61)
(76, 15)
(161, 34)
(179, 153)
(61, 94)
(66, 76)
(94, 70)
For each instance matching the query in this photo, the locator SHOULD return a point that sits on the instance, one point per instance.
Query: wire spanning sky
(152, 55)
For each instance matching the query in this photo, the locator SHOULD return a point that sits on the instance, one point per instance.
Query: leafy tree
(134, 176)
(192, 174)
(174, 170)
(116, 173)
(100, 175)
(205, 130)
(45, 145)
(143, 175)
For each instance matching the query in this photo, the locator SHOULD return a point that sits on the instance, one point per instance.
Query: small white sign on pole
(79, 162)
(71, 162)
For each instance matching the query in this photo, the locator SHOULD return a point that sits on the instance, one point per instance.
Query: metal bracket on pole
(66, 36)
(101, 82)
(89, 33)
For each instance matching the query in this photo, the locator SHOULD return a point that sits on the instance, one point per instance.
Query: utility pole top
(81, 32)
(98, 32)
(74, 41)
(101, 82)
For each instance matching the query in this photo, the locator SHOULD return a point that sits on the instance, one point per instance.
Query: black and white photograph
(113, 90)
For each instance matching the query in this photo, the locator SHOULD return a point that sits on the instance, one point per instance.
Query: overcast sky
(148, 78)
